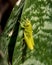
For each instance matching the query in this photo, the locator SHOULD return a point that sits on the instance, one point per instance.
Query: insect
(28, 36)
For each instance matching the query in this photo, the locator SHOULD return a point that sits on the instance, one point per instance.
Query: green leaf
(6, 38)
(39, 12)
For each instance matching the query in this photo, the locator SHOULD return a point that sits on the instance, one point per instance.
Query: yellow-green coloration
(28, 36)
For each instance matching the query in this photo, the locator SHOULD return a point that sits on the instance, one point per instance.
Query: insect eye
(27, 25)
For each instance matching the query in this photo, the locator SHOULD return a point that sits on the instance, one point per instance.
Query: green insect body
(28, 36)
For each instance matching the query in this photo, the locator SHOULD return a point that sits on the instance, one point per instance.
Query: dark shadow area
(6, 7)
(24, 51)
(13, 39)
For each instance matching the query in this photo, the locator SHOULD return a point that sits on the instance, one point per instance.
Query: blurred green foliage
(39, 12)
